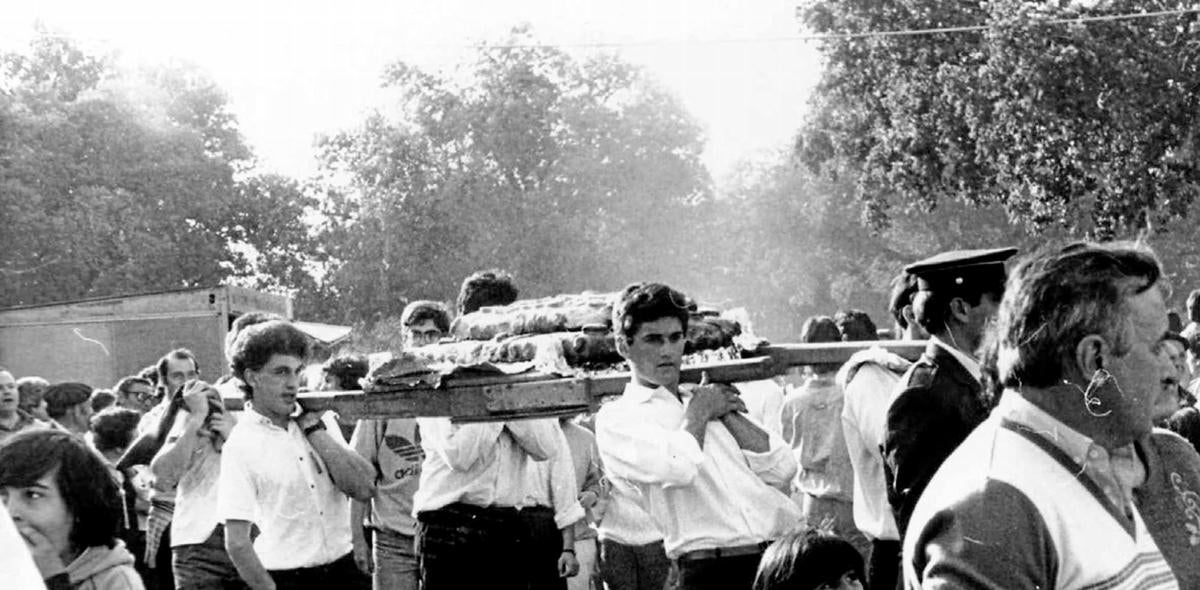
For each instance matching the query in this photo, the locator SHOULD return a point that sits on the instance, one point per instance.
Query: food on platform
(560, 313)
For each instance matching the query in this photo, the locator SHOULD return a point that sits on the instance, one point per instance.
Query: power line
(839, 36)
(783, 39)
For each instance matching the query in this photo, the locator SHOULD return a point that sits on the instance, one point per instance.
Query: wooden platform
(535, 395)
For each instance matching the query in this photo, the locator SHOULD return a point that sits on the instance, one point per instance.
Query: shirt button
(1095, 454)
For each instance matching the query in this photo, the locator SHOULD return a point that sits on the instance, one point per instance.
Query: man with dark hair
(173, 372)
(12, 418)
(1067, 484)
(424, 323)
(69, 405)
(941, 399)
(855, 325)
(712, 479)
(189, 462)
(484, 288)
(868, 380)
(288, 476)
(135, 393)
(32, 391)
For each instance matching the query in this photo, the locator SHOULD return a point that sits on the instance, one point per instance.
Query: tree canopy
(573, 174)
(119, 181)
(1089, 127)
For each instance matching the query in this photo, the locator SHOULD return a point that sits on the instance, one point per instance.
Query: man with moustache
(1067, 485)
(711, 478)
(290, 476)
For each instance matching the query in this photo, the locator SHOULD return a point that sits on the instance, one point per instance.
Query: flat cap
(962, 269)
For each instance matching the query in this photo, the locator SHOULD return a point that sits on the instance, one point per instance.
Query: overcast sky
(293, 69)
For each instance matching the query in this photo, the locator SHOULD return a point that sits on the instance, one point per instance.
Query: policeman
(940, 399)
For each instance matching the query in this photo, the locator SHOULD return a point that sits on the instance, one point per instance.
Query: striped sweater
(1010, 509)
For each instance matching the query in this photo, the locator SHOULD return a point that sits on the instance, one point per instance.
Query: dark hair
(904, 287)
(483, 288)
(640, 303)
(126, 383)
(61, 397)
(243, 321)
(255, 346)
(102, 398)
(932, 308)
(1174, 322)
(113, 428)
(420, 311)
(347, 369)
(150, 374)
(817, 329)
(855, 325)
(804, 560)
(179, 354)
(1058, 296)
(1193, 306)
(31, 391)
(1186, 423)
(88, 488)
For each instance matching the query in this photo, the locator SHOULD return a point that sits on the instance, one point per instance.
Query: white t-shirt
(273, 478)
(20, 573)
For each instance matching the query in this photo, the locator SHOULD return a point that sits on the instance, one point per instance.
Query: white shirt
(273, 478)
(552, 483)
(195, 514)
(479, 464)
(624, 520)
(764, 402)
(16, 563)
(718, 496)
(864, 420)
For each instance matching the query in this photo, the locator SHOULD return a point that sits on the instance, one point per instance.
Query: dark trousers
(634, 567)
(883, 567)
(465, 546)
(544, 547)
(340, 574)
(206, 566)
(718, 573)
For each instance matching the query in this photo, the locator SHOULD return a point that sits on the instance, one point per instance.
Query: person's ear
(1090, 355)
(959, 310)
(622, 343)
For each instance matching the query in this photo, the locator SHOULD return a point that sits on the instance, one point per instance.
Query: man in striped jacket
(1066, 484)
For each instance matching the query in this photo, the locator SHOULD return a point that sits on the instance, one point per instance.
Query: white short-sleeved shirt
(273, 478)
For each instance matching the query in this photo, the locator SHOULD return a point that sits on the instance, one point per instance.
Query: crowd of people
(1019, 450)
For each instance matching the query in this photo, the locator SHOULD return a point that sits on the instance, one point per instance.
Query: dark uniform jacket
(939, 404)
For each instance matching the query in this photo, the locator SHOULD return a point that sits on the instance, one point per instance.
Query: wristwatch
(315, 427)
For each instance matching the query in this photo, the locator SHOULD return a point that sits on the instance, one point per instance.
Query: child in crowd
(812, 559)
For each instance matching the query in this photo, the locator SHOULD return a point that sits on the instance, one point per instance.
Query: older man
(1066, 484)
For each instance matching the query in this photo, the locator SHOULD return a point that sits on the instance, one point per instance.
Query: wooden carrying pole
(537, 395)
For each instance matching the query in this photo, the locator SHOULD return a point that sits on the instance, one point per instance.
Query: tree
(1089, 127)
(114, 181)
(572, 174)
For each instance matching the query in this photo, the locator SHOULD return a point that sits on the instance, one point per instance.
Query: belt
(719, 552)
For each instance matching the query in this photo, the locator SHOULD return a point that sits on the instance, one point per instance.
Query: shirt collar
(968, 362)
(1020, 410)
(256, 418)
(24, 419)
(640, 394)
